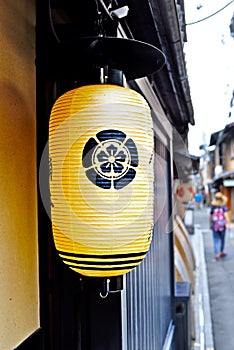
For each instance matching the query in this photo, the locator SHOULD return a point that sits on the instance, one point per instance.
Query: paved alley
(220, 281)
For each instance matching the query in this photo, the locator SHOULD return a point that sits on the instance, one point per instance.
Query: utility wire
(215, 13)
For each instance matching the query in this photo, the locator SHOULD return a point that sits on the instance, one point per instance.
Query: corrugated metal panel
(149, 287)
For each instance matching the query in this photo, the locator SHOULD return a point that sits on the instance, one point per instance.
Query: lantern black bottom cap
(134, 58)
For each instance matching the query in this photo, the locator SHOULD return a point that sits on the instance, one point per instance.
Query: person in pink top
(218, 222)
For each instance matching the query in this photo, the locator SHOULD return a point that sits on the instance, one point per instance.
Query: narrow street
(220, 278)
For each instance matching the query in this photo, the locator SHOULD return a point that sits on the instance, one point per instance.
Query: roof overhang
(224, 176)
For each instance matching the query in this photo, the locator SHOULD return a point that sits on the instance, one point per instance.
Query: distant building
(232, 26)
(221, 163)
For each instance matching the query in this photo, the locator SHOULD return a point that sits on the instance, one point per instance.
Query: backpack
(218, 219)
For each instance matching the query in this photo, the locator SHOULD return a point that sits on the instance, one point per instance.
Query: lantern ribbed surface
(101, 179)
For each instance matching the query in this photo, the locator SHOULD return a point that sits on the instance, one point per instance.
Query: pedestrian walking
(204, 197)
(218, 223)
(198, 199)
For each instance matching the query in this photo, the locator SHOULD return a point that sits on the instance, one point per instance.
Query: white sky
(209, 55)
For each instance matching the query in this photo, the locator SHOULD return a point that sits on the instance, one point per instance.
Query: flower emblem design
(110, 159)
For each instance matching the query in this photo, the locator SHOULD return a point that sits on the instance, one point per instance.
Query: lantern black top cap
(135, 58)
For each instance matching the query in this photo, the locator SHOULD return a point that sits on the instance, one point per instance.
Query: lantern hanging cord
(207, 17)
(106, 8)
(99, 21)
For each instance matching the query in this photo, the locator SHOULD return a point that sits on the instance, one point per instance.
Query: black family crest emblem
(110, 159)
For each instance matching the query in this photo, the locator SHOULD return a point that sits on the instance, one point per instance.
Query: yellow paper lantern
(101, 181)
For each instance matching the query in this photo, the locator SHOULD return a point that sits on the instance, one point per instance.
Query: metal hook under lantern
(101, 183)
